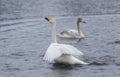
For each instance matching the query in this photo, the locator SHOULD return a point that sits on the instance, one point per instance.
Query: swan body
(70, 33)
(61, 53)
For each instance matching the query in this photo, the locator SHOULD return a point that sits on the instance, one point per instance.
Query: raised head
(80, 20)
(51, 20)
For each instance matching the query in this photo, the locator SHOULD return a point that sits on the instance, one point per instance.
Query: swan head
(51, 20)
(80, 20)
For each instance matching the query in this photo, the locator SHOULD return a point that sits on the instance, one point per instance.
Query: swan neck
(78, 27)
(54, 39)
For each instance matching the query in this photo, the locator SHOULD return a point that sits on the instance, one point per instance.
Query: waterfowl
(70, 33)
(61, 53)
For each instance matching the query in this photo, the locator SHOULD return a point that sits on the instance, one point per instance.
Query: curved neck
(54, 40)
(78, 27)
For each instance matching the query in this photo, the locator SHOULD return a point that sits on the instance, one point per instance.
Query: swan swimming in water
(70, 33)
(61, 53)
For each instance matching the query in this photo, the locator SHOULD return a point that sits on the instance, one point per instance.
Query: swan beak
(48, 19)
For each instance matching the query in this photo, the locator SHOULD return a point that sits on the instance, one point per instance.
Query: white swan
(70, 33)
(61, 53)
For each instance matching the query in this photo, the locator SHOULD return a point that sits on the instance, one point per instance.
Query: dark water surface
(25, 36)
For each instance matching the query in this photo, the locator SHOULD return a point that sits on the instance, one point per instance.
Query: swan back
(71, 34)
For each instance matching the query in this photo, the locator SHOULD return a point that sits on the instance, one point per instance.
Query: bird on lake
(71, 33)
(61, 53)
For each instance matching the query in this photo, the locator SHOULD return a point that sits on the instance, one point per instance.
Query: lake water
(25, 36)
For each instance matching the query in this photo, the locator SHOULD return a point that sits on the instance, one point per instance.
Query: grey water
(25, 36)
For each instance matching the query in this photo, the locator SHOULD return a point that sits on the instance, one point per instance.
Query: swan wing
(55, 50)
(52, 52)
(68, 49)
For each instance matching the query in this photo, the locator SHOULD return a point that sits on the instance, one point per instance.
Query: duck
(71, 33)
(61, 53)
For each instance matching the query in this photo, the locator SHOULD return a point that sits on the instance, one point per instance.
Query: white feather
(52, 52)
(68, 49)
(69, 59)
(56, 50)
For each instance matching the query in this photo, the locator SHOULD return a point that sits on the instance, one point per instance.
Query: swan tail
(77, 61)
